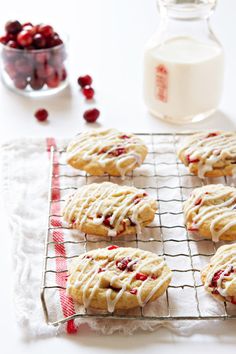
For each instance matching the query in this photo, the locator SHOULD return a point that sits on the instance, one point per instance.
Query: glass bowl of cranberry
(33, 59)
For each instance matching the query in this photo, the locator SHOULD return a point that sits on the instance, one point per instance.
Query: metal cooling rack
(184, 245)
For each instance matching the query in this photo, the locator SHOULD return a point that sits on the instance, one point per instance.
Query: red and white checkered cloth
(25, 166)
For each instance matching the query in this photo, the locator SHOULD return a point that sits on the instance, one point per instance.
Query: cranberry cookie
(106, 151)
(219, 276)
(210, 154)
(107, 209)
(211, 211)
(117, 278)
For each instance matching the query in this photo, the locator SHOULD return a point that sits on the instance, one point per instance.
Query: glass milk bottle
(183, 63)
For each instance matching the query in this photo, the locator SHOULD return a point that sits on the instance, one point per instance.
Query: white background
(107, 38)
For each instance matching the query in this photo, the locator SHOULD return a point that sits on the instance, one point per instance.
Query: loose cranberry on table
(85, 81)
(88, 92)
(91, 115)
(41, 114)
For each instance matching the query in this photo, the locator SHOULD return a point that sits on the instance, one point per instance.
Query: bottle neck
(186, 10)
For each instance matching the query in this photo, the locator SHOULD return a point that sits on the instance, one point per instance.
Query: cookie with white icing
(106, 151)
(210, 154)
(211, 212)
(108, 209)
(115, 278)
(219, 276)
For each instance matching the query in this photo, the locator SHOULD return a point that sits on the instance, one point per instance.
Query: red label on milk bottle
(162, 83)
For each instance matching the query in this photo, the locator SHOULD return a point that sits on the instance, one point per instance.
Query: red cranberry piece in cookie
(216, 277)
(107, 221)
(211, 135)
(198, 201)
(192, 160)
(41, 114)
(85, 81)
(118, 151)
(133, 291)
(124, 137)
(141, 276)
(91, 115)
(13, 27)
(123, 264)
(112, 247)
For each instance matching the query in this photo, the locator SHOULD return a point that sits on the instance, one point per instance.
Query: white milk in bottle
(183, 74)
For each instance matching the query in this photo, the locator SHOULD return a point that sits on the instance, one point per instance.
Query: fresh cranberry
(23, 66)
(198, 201)
(88, 92)
(12, 44)
(63, 74)
(53, 80)
(112, 247)
(216, 277)
(85, 80)
(41, 114)
(91, 115)
(29, 28)
(123, 264)
(39, 41)
(133, 291)
(4, 39)
(45, 30)
(13, 27)
(118, 152)
(25, 24)
(20, 82)
(24, 38)
(11, 70)
(141, 276)
(191, 160)
(124, 137)
(53, 41)
(45, 71)
(42, 58)
(36, 83)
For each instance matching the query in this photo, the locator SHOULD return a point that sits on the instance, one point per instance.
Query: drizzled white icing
(210, 150)
(214, 204)
(89, 276)
(105, 148)
(221, 276)
(89, 203)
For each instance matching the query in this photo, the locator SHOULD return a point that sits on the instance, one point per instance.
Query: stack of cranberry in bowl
(33, 59)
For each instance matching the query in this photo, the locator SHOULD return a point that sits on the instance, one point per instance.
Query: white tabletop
(107, 38)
